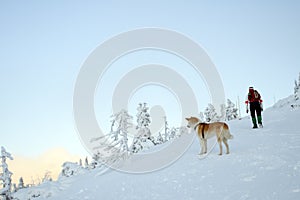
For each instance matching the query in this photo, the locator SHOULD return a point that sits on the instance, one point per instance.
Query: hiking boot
(260, 125)
(259, 119)
(254, 126)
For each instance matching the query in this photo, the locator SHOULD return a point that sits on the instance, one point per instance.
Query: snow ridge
(263, 164)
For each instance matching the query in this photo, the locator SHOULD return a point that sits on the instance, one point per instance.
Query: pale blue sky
(44, 43)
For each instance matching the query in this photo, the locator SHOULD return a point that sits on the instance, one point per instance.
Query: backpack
(255, 97)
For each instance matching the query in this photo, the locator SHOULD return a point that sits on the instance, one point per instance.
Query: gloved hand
(247, 110)
(261, 107)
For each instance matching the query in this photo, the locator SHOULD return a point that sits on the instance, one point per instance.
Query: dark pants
(255, 108)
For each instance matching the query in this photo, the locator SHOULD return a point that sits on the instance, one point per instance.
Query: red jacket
(253, 96)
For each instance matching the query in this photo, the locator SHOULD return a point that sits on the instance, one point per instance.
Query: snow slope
(263, 164)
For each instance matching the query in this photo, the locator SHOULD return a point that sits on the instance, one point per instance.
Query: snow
(263, 164)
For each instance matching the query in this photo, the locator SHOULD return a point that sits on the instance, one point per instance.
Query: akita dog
(208, 130)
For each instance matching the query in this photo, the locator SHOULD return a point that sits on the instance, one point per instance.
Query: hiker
(254, 99)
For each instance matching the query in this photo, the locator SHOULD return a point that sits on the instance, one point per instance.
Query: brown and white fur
(208, 130)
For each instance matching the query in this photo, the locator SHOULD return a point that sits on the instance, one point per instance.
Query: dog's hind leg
(220, 145)
(205, 146)
(202, 147)
(226, 144)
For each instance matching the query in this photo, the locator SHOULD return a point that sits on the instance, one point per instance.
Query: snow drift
(263, 164)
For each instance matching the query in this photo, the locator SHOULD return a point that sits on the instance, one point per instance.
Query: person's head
(251, 89)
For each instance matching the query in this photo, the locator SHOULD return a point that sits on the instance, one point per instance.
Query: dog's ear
(187, 119)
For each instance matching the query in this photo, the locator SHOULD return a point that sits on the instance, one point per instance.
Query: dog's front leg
(220, 145)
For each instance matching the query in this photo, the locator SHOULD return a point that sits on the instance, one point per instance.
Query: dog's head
(192, 121)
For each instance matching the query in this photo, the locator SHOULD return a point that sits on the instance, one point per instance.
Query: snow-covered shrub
(95, 161)
(173, 133)
(139, 141)
(176, 132)
(47, 177)
(70, 169)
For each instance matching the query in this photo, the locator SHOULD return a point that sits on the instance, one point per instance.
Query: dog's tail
(226, 132)
(227, 135)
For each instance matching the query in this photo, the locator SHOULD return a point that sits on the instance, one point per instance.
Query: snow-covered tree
(201, 117)
(5, 176)
(123, 120)
(143, 116)
(166, 133)
(86, 162)
(222, 115)
(21, 183)
(114, 145)
(231, 111)
(159, 139)
(297, 89)
(143, 131)
(211, 114)
(14, 188)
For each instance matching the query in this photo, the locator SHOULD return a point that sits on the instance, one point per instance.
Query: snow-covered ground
(263, 164)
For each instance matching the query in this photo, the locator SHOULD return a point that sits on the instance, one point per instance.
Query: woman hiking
(255, 101)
